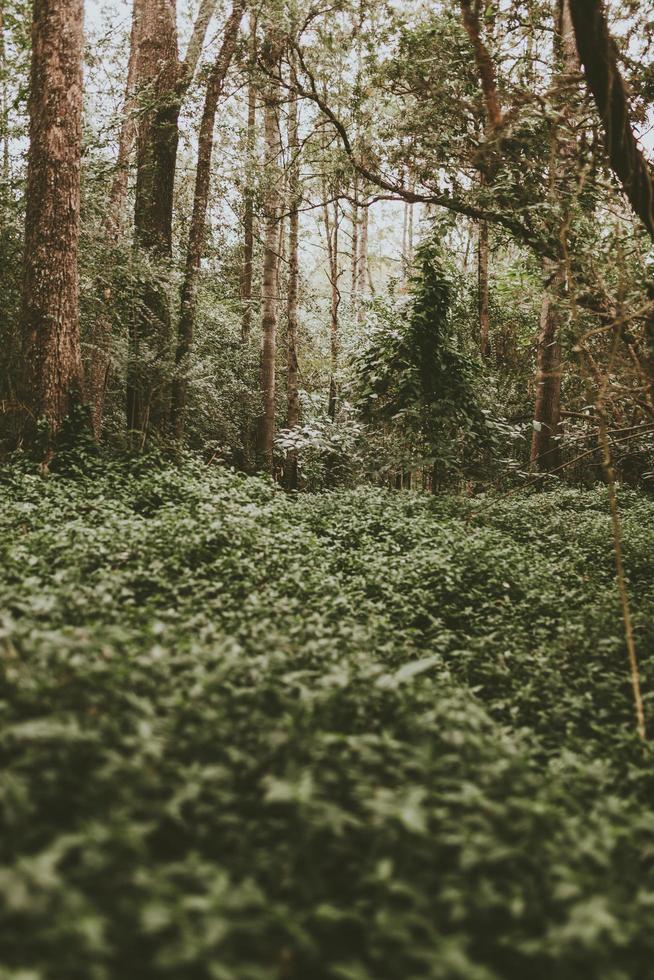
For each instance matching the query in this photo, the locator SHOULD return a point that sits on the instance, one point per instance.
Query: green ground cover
(358, 736)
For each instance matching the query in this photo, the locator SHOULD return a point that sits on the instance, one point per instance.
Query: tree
(271, 53)
(413, 376)
(597, 53)
(100, 361)
(163, 82)
(248, 196)
(546, 438)
(188, 304)
(53, 380)
(295, 200)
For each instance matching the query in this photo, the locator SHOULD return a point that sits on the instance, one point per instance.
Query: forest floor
(362, 735)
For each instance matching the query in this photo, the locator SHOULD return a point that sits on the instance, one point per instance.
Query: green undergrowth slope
(356, 736)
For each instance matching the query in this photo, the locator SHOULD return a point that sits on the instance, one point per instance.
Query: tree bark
(295, 200)
(270, 258)
(188, 297)
(53, 378)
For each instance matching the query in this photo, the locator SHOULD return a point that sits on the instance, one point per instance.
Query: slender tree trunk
(332, 227)
(4, 110)
(127, 135)
(99, 365)
(354, 289)
(295, 199)
(188, 306)
(53, 378)
(405, 237)
(270, 262)
(545, 445)
(407, 233)
(363, 271)
(482, 289)
(248, 217)
(410, 227)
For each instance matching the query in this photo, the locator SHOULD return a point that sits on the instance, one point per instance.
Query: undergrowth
(353, 736)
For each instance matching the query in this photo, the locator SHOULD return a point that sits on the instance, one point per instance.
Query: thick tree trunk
(597, 53)
(270, 263)
(53, 379)
(188, 306)
(295, 199)
(100, 360)
(164, 81)
(156, 157)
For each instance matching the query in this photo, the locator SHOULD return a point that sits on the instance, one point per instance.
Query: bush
(361, 735)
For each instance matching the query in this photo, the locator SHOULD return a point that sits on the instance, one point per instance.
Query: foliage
(359, 735)
(414, 375)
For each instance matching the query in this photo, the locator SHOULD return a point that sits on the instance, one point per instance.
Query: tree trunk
(4, 110)
(156, 157)
(354, 289)
(127, 136)
(545, 447)
(248, 217)
(100, 360)
(270, 262)
(597, 52)
(482, 289)
(407, 234)
(363, 271)
(53, 379)
(410, 227)
(165, 82)
(332, 224)
(295, 199)
(598, 55)
(188, 306)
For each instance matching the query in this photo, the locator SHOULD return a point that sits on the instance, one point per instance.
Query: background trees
(273, 173)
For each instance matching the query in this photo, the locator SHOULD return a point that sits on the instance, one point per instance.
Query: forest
(326, 489)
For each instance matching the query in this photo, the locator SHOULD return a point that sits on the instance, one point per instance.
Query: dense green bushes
(361, 735)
